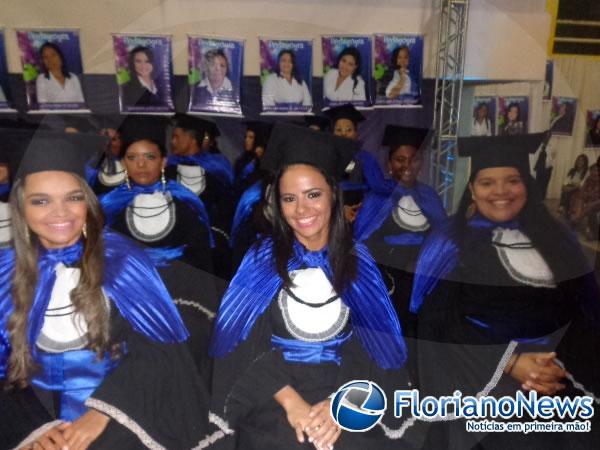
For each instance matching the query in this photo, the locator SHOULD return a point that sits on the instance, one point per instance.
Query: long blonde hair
(87, 297)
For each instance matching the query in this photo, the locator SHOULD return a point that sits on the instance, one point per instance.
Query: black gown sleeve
(155, 392)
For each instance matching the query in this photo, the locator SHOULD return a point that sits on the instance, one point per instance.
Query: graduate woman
(505, 299)
(89, 338)
(395, 219)
(306, 311)
(161, 214)
(363, 173)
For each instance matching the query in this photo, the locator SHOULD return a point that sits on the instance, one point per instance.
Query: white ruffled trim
(223, 431)
(207, 312)
(399, 433)
(122, 418)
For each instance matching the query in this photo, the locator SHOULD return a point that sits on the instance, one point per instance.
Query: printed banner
(513, 114)
(52, 69)
(398, 70)
(548, 80)
(5, 98)
(286, 76)
(592, 129)
(562, 116)
(215, 75)
(346, 70)
(144, 72)
(483, 121)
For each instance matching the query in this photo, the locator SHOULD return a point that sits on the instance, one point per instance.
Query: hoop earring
(163, 179)
(84, 230)
(127, 182)
(471, 210)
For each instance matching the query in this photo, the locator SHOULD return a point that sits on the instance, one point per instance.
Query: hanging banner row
(384, 70)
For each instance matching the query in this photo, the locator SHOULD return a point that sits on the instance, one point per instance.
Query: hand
(539, 372)
(350, 212)
(85, 430)
(52, 439)
(322, 431)
(296, 408)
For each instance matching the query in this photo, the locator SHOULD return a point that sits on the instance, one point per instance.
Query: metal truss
(450, 64)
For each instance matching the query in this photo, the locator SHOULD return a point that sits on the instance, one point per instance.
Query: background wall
(506, 50)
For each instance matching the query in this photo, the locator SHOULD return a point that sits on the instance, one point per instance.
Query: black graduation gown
(103, 184)
(466, 325)
(187, 230)
(220, 207)
(246, 379)
(397, 264)
(154, 392)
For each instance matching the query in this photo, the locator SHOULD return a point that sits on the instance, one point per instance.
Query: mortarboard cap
(31, 151)
(201, 126)
(347, 111)
(499, 151)
(291, 144)
(395, 135)
(319, 121)
(138, 128)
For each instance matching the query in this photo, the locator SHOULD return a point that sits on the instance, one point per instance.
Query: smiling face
(403, 59)
(217, 70)
(405, 164)
(347, 66)
(55, 208)
(345, 128)
(142, 65)
(51, 59)
(286, 65)
(306, 201)
(513, 113)
(144, 162)
(499, 193)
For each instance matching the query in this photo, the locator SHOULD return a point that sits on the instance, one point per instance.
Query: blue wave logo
(358, 405)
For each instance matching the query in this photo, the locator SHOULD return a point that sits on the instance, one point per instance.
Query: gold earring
(127, 180)
(471, 210)
(84, 230)
(163, 179)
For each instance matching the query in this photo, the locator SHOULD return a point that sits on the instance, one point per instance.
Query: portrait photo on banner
(347, 70)
(52, 70)
(548, 80)
(562, 116)
(483, 119)
(286, 76)
(215, 68)
(5, 94)
(398, 70)
(592, 128)
(144, 71)
(513, 114)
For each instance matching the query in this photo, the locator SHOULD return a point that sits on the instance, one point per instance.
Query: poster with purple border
(5, 97)
(592, 129)
(562, 116)
(144, 71)
(347, 70)
(286, 76)
(52, 70)
(513, 115)
(483, 119)
(548, 80)
(215, 68)
(398, 71)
